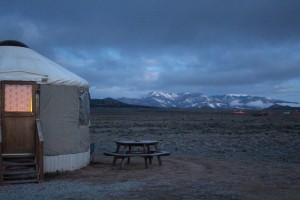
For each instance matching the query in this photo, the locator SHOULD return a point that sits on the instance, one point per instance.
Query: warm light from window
(18, 98)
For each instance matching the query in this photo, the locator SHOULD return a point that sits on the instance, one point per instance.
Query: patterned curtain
(18, 98)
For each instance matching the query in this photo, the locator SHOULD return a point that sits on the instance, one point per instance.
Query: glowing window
(18, 98)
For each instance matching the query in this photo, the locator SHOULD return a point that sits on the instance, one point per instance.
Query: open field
(275, 137)
(215, 155)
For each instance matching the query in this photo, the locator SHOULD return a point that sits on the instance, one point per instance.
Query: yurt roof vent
(14, 43)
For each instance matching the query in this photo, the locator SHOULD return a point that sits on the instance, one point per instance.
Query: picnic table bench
(146, 151)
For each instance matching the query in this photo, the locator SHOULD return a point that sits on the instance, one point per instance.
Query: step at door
(19, 168)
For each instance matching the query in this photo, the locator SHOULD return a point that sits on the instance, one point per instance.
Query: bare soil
(214, 155)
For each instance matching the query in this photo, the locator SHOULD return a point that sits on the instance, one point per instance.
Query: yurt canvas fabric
(61, 117)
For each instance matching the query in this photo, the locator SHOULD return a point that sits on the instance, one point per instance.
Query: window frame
(33, 93)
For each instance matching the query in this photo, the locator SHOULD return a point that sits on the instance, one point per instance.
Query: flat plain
(214, 155)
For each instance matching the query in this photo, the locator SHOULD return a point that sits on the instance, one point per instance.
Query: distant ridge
(110, 102)
(277, 107)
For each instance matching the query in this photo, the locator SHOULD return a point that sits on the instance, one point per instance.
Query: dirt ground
(214, 155)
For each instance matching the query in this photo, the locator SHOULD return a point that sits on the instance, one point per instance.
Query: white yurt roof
(20, 63)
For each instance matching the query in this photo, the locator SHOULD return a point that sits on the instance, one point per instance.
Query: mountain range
(199, 100)
(110, 102)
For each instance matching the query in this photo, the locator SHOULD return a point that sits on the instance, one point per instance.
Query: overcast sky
(129, 48)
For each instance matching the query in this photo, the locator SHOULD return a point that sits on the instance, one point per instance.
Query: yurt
(44, 116)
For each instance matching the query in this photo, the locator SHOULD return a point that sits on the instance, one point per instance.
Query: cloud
(284, 89)
(258, 104)
(235, 103)
(131, 47)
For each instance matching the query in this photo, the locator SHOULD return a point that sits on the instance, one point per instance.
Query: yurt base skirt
(67, 162)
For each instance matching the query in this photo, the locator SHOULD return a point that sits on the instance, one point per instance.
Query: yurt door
(18, 117)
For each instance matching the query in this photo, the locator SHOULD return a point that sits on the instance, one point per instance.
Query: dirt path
(194, 177)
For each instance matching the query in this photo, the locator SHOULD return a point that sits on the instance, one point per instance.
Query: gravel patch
(67, 190)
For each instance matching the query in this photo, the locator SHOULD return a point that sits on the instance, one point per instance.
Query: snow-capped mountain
(199, 100)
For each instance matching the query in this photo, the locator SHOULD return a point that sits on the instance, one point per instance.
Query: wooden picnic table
(132, 148)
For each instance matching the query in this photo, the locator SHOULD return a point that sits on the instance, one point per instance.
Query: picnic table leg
(115, 157)
(159, 161)
(146, 164)
(122, 164)
(145, 158)
(129, 151)
(150, 159)
(114, 161)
